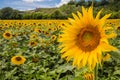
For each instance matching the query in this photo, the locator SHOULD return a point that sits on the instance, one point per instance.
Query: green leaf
(78, 78)
(115, 54)
(117, 72)
(9, 74)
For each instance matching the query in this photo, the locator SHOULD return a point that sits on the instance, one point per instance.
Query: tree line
(64, 11)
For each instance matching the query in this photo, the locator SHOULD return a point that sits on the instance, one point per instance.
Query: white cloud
(62, 2)
(31, 1)
(22, 5)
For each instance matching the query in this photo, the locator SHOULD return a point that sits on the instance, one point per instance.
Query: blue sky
(31, 4)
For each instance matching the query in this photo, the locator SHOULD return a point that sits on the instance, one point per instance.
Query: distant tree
(82, 0)
(45, 16)
(104, 2)
(81, 3)
(37, 15)
(110, 1)
(15, 15)
(0, 14)
(26, 16)
(89, 3)
(68, 9)
(6, 13)
(57, 14)
(71, 2)
(33, 15)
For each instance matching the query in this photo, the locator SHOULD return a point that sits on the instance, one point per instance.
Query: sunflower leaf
(115, 54)
(117, 72)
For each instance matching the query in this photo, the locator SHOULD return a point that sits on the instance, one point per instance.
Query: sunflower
(49, 23)
(37, 30)
(84, 39)
(50, 29)
(1, 27)
(47, 33)
(14, 44)
(33, 36)
(39, 24)
(18, 60)
(118, 28)
(53, 38)
(32, 43)
(61, 25)
(6, 24)
(7, 35)
(35, 59)
(89, 76)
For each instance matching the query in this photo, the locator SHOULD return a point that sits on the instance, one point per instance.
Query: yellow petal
(103, 19)
(79, 14)
(107, 47)
(112, 35)
(84, 11)
(85, 59)
(98, 14)
(90, 13)
(75, 17)
(69, 53)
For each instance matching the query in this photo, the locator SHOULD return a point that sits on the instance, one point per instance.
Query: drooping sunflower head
(35, 59)
(89, 76)
(15, 44)
(106, 57)
(84, 39)
(7, 35)
(17, 60)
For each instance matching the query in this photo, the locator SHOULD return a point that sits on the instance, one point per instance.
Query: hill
(64, 11)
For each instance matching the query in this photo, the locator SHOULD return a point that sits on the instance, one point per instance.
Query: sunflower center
(18, 58)
(32, 43)
(88, 39)
(33, 36)
(53, 37)
(7, 34)
(39, 31)
(118, 28)
(87, 36)
(0, 27)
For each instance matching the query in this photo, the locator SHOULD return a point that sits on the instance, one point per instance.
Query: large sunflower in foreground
(18, 60)
(84, 39)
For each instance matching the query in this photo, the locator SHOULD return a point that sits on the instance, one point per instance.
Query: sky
(31, 4)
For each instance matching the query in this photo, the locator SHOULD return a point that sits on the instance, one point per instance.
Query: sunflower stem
(96, 72)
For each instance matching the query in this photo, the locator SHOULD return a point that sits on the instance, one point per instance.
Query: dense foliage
(63, 12)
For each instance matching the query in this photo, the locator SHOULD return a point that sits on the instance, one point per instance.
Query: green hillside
(64, 11)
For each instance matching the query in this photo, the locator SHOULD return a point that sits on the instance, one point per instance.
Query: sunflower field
(29, 50)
